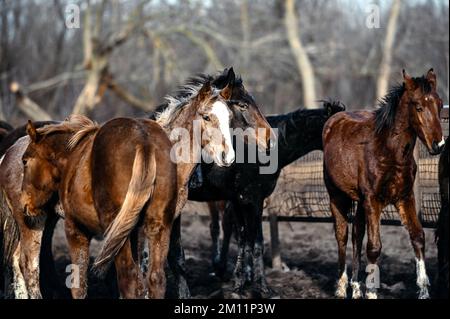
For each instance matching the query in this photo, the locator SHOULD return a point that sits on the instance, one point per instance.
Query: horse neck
(303, 134)
(185, 120)
(400, 139)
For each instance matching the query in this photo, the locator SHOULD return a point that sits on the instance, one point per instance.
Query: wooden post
(274, 242)
(417, 189)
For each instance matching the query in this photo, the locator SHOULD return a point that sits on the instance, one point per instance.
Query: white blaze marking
(223, 115)
(442, 142)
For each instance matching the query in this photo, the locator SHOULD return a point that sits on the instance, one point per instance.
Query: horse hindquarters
(115, 246)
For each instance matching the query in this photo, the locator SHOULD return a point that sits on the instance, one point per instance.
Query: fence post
(274, 242)
(417, 190)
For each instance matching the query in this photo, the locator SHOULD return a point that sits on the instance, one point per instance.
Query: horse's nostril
(224, 156)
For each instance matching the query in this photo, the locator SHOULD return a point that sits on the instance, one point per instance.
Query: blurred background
(120, 58)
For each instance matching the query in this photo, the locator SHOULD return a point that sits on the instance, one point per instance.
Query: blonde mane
(78, 125)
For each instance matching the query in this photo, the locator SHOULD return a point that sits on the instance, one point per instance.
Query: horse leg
(158, 233)
(407, 211)
(176, 261)
(239, 277)
(78, 242)
(129, 275)
(19, 287)
(214, 229)
(227, 227)
(48, 275)
(31, 238)
(259, 278)
(358, 232)
(340, 207)
(373, 214)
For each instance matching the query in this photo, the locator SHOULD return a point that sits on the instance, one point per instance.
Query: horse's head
(425, 108)
(41, 176)
(246, 113)
(214, 115)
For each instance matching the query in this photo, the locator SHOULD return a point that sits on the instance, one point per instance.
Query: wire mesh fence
(301, 194)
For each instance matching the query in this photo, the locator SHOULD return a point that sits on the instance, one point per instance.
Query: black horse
(5, 128)
(243, 185)
(442, 232)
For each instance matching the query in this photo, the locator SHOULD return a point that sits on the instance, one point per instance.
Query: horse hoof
(371, 295)
(267, 293)
(356, 290)
(237, 294)
(340, 293)
(423, 294)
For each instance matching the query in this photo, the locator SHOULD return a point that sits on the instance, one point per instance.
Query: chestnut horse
(116, 178)
(32, 233)
(368, 158)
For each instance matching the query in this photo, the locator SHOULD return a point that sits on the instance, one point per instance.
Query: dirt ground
(308, 250)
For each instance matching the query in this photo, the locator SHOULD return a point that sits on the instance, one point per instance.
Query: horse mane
(387, 106)
(77, 125)
(176, 102)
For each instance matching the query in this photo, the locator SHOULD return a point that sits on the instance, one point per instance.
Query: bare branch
(385, 67)
(28, 106)
(129, 98)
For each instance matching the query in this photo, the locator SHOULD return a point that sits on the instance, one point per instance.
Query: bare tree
(97, 55)
(302, 60)
(386, 61)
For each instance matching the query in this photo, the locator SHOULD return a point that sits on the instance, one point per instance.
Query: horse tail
(9, 233)
(139, 192)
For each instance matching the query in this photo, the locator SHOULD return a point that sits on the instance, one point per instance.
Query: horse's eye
(419, 108)
(206, 118)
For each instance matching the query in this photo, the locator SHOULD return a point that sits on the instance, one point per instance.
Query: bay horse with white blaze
(368, 158)
(120, 178)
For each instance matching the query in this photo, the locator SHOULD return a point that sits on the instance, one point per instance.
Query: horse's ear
(431, 77)
(231, 76)
(409, 82)
(205, 91)
(227, 91)
(31, 131)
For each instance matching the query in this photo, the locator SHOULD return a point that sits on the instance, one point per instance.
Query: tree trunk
(385, 67)
(304, 65)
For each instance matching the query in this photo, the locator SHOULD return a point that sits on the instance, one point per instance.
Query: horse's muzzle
(437, 147)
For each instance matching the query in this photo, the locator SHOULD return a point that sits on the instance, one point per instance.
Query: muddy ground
(308, 250)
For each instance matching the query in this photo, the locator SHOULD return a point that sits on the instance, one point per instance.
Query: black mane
(385, 114)
(184, 91)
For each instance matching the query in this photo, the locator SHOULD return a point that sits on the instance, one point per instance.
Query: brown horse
(120, 177)
(368, 158)
(22, 261)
